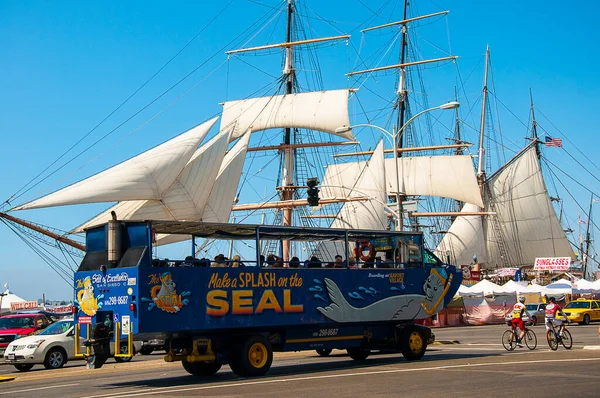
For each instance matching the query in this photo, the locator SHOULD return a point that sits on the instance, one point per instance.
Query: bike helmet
(521, 299)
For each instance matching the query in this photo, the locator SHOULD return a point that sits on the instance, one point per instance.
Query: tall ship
(296, 151)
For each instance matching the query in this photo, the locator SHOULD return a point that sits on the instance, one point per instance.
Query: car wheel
(358, 354)
(324, 352)
(586, 319)
(123, 350)
(23, 367)
(55, 358)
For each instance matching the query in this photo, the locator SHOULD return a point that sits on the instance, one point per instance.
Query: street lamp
(395, 136)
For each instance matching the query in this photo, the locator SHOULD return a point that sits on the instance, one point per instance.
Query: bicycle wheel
(552, 341)
(567, 340)
(530, 339)
(508, 340)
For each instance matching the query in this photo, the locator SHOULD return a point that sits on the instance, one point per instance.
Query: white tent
(9, 297)
(535, 288)
(463, 291)
(583, 286)
(487, 288)
(516, 287)
(561, 286)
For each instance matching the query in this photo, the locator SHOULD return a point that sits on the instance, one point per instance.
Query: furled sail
(186, 197)
(526, 223)
(444, 176)
(322, 110)
(370, 214)
(524, 227)
(146, 176)
(464, 239)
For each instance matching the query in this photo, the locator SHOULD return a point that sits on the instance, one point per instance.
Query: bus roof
(268, 232)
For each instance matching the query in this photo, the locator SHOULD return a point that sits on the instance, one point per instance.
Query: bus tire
(324, 352)
(414, 344)
(358, 354)
(252, 357)
(203, 368)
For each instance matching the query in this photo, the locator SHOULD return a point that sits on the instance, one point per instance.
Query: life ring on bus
(370, 254)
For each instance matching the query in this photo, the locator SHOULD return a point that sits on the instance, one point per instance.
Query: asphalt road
(477, 366)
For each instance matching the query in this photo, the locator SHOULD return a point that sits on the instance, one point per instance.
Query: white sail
(444, 176)
(526, 225)
(222, 196)
(370, 214)
(220, 202)
(186, 197)
(464, 239)
(146, 176)
(323, 111)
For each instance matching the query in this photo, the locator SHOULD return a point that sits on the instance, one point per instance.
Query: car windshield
(58, 328)
(16, 323)
(578, 304)
(531, 307)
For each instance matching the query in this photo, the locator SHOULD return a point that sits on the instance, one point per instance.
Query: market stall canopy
(516, 287)
(561, 286)
(583, 286)
(487, 288)
(464, 291)
(9, 297)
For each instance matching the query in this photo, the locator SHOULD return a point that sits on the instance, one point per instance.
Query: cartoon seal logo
(164, 294)
(86, 301)
(400, 307)
(466, 271)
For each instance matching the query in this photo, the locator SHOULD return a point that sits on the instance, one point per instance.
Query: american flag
(553, 142)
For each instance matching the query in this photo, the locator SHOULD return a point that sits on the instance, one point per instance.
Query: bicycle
(510, 339)
(554, 338)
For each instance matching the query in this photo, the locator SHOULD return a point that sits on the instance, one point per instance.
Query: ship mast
(587, 238)
(288, 153)
(481, 165)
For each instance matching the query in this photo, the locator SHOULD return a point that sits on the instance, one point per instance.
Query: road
(478, 365)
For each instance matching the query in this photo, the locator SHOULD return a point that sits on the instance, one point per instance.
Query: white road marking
(38, 388)
(171, 390)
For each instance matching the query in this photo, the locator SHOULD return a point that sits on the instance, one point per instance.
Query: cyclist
(551, 310)
(517, 318)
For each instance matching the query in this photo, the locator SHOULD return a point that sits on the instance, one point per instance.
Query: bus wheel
(358, 354)
(324, 352)
(251, 357)
(204, 368)
(414, 344)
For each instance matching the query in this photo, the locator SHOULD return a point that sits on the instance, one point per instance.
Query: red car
(13, 327)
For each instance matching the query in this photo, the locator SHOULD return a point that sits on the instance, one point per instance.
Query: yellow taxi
(582, 311)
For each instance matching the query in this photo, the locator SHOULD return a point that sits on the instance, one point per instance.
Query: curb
(6, 378)
(445, 342)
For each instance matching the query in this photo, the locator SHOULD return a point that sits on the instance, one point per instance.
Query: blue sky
(67, 65)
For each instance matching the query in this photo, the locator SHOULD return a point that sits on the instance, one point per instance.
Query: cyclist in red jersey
(517, 318)
(551, 310)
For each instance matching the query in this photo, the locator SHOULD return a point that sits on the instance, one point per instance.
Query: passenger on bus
(219, 261)
(339, 261)
(315, 262)
(261, 262)
(204, 262)
(236, 262)
(188, 262)
(352, 262)
(295, 262)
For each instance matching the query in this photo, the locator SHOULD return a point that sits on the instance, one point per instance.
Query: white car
(52, 347)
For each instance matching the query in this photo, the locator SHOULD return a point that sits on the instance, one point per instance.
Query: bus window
(431, 259)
